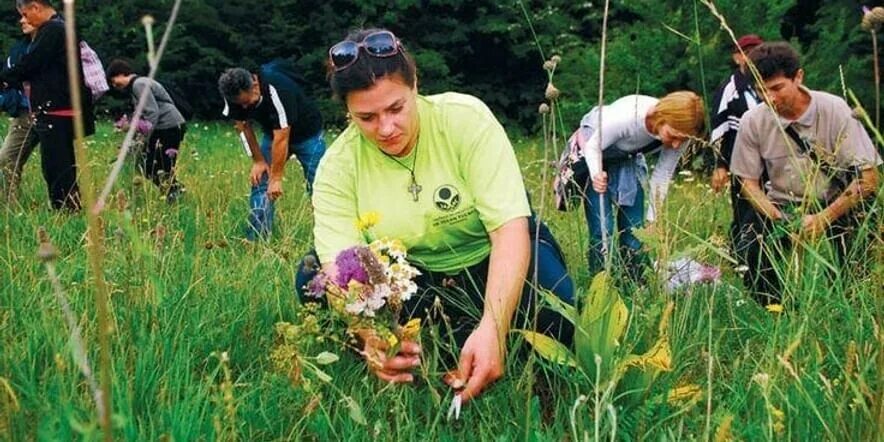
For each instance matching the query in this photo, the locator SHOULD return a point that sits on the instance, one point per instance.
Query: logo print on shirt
(446, 198)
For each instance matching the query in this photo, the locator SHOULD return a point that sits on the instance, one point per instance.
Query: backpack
(178, 98)
(285, 67)
(93, 71)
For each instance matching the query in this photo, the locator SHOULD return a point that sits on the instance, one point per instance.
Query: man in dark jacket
(20, 138)
(44, 66)
(732, 99)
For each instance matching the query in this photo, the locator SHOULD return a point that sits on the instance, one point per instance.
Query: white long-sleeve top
(623, 127)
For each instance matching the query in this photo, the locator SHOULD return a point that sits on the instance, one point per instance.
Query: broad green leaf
(549, 348)
(567, 311)
(640, 371)
(323, 376)
(326, 358)
(355, 410)
(602, 323)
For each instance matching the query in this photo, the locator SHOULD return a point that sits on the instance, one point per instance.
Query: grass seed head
(46, 252)
(873, 18)
(551, 92)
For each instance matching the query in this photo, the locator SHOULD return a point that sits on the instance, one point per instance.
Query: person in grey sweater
(161, 120)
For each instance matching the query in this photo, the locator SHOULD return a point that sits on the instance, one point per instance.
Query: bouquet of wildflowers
(371, 285)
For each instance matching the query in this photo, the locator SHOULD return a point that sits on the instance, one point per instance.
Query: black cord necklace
(414, 188)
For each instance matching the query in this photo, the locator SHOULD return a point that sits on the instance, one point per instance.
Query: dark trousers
(742, 211)
(160, 154)
(462, 295)
(56, 135)
(764, 249)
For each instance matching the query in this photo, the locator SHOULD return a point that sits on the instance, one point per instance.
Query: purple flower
(316, 286)
(143, 126)
(171, 153)
(349, 268)
(122, 123)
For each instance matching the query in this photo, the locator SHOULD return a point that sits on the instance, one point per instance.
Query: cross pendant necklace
(413, 188)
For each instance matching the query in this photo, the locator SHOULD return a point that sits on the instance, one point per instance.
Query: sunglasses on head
(377, 44)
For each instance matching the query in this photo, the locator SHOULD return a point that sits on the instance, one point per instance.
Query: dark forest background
(491, 49)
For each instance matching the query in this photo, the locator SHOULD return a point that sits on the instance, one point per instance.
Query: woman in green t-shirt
(445, 180)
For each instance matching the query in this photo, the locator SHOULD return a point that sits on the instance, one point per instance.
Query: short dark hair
(367, 70)
(118, 66)
(233, 82)
(777, 58)
(22, 3)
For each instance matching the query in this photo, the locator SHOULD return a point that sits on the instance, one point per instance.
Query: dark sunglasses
(377, 44)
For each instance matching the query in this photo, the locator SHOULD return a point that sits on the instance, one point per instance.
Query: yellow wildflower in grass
(775, 308)
(411, 330)
(367, 220)
(778, 418)
(723, 433)
(685, 393)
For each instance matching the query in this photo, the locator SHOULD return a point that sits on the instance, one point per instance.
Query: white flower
(357, 308)
(408, 291)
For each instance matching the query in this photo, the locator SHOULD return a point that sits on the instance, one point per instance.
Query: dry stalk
(94, 239)
(48, 254)
(602, 208)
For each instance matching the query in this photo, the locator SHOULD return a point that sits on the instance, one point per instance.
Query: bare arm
(279, 153)
(858, 189)
(259, 163)
(508, 266)
(245, 128)
(759, 200)
(482, 356)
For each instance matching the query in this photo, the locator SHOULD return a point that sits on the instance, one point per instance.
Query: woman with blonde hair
(606, 166)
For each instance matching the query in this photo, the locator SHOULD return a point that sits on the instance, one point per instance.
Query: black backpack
(178, 98)
(287, 68)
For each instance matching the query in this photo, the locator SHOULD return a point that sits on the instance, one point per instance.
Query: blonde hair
(682, 110)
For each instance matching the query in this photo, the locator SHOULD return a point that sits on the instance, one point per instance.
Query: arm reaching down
(483, 354)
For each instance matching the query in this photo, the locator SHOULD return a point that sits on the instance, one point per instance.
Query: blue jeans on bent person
(624, 203)
(261, 209)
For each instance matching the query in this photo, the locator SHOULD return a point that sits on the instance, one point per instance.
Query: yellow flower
(778, 418)
(687, 393)
(411, 330)
(367, 220)
(775, 308)
(723, 433)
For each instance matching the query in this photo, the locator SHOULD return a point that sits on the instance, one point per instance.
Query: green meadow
(195, 352)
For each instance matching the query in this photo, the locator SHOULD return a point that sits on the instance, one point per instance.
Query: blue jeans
(261, 208)
(627, 219)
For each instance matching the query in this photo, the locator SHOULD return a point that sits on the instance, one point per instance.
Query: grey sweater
(159, 109)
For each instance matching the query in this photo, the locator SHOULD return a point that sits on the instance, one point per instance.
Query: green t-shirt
(470, 179)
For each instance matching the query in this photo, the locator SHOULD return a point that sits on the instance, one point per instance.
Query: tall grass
(186, 289)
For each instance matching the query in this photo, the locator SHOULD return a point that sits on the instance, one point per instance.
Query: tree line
(492, 49)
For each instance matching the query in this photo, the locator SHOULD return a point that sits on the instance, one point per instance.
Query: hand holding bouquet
(368, 288)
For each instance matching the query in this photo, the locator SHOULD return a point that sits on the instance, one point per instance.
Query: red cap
(748, 41)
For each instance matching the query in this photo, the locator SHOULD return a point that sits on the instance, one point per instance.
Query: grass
(193, 311)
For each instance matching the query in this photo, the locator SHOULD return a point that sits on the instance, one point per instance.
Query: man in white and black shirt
(291, 123)
(732, 99)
